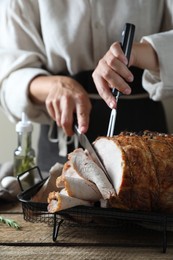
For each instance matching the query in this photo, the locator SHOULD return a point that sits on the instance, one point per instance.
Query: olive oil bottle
(24, 154)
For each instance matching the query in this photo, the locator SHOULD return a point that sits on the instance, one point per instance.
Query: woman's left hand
(112, 72)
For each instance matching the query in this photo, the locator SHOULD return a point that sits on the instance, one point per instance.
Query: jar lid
(24, 125)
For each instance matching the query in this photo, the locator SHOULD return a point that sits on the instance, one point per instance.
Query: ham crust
(144, 193)
(162, 154)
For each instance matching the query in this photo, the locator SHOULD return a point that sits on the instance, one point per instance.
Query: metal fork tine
(112, 123)
(112, 119)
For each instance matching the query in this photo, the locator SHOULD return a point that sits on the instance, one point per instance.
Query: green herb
(24, 155)
(10, 222)
(25, 163)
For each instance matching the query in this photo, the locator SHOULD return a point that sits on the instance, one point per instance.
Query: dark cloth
(133, 115)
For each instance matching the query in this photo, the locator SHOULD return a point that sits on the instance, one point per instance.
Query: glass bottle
(24, 154)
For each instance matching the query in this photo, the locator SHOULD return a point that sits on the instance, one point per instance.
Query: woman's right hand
(62, 96)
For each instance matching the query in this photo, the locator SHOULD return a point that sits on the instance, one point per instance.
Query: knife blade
(85, 143)
(126, 44)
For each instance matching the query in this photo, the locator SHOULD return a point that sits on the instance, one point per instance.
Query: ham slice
(76, 186)
(60, 201)
(90, 171)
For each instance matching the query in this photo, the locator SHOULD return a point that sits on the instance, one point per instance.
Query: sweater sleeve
(14, 96)
(22, 59)
(160, 85)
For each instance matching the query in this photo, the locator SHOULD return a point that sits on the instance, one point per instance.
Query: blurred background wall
(8, 136)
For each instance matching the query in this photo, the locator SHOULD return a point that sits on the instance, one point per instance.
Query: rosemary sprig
(10, 222)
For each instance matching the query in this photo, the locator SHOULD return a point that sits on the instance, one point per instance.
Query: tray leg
(56, 226)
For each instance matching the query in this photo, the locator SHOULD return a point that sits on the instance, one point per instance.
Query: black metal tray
(88, 216)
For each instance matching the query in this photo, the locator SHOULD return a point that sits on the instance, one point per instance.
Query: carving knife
(85, 143)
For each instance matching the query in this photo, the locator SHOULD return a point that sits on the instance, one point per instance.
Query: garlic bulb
(11, 184)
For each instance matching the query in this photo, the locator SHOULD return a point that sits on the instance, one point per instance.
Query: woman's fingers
(67, 106)
(112, 72)
(106, 83)
(83, 109)
(80, 105)
(51, 103)
(65, 99)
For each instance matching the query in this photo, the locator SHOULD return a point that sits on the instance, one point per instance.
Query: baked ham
(142, 173)
(140, 167)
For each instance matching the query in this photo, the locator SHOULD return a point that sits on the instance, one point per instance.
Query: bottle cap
(24, 125)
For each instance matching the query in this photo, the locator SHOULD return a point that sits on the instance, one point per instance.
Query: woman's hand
(63, 96)
(112, 70)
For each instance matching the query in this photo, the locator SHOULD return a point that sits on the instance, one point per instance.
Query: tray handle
(28, 178)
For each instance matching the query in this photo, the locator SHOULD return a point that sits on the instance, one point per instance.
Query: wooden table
(34, 241)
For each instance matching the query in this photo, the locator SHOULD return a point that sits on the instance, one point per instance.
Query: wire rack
(91, 217)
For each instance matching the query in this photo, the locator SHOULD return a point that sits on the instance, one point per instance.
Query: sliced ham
(60, 201)
(90, 171)
(76, 186)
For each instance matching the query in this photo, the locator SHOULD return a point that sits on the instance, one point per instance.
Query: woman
(50, 49)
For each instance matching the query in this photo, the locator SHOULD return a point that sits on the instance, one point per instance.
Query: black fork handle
(126, 44)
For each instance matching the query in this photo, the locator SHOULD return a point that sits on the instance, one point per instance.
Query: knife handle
(126, 45)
